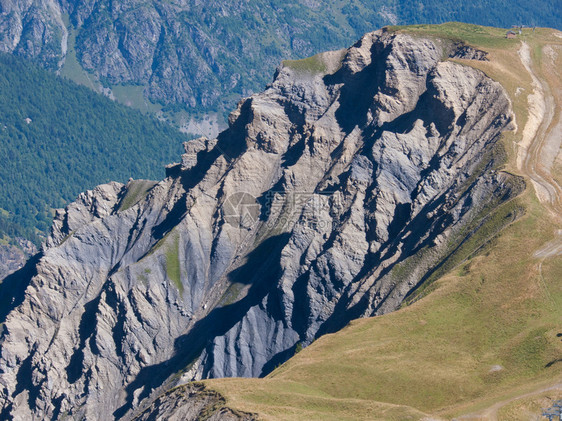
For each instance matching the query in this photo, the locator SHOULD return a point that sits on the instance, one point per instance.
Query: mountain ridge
(332, 195)
(482, 341)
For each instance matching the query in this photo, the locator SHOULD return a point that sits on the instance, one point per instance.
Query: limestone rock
(192, 402)
(330, 197)
(13, 256)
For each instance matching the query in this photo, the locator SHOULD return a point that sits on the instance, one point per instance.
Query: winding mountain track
(541, 136)
(491, 413)
(541, 133)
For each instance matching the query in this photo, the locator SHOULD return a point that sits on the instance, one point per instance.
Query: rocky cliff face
(13, 257)
(333, 194)
(34, 30)
(192, 402)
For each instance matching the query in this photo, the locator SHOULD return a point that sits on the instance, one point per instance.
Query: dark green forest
(58, 139)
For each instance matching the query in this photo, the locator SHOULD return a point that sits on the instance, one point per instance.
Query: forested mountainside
(204, 55)
(56, 138)
(356, 177)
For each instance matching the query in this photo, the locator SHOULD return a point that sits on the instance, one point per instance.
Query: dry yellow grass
(527, 408)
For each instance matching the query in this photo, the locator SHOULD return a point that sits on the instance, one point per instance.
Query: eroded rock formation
(331, 196)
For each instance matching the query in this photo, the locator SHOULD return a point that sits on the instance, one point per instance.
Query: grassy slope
(435, 356)
(71, 69)
(136, 190)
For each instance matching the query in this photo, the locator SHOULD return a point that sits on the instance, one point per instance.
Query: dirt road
(541, 133)
(491, 413)
(540, 139)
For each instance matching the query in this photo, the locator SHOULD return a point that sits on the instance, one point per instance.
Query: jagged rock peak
(331, 196)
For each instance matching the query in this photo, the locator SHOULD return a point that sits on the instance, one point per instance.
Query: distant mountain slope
(203, 56)
(56, 138)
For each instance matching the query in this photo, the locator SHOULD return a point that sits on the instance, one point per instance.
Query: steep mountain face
(34, 30)
(13, 257)
(332, 195)
(205, 55)
(192, 402)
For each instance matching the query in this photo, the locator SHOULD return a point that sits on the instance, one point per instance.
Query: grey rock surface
(14, 256)
(331, 196)
(34, 30)
(204, 55)
(192, 402)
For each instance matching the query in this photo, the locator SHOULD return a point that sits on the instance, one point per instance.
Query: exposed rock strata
(467, 52)
(13, 257)
(192, 402)
(34, 30)
(365, 180)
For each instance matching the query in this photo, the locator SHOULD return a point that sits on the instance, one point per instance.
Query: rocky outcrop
(91, 205)
(13, 256)
(332, 195)
(461, 50)
(34, 30)
(192, 402)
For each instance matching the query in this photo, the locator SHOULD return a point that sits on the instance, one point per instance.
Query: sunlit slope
(488, 332)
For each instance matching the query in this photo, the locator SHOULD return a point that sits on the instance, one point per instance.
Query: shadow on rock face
(359, 89)
(261, 271)
(12, 288)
